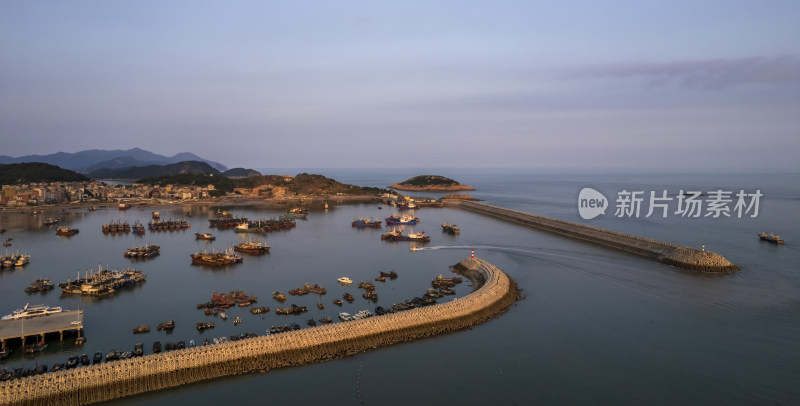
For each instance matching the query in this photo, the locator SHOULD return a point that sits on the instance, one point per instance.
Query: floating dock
(665, 252)
(494, 293)
(40, 326)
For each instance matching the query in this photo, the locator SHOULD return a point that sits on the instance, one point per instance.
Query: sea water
(596, 326)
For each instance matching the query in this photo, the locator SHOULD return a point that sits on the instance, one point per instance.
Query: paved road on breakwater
(666, 252)
(495, 293)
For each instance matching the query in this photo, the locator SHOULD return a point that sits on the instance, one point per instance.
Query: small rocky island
(430, 183)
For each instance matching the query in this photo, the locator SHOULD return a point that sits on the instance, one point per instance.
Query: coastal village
(98, 192)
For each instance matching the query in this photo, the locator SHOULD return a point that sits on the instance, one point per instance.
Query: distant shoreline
(219, 201)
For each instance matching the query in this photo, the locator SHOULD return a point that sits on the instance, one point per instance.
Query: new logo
(591, 203)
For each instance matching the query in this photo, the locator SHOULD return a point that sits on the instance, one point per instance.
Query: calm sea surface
(596, 326)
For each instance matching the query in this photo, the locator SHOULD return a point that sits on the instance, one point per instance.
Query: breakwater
(666, 252)
(494, 292)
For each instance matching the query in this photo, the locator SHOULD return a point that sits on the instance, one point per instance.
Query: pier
(67, 320)
(494, 292)
(666, 252)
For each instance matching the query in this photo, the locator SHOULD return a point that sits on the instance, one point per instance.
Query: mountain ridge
(90, 160)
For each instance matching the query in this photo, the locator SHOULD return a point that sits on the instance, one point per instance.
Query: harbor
(335, 249)
(494, 293)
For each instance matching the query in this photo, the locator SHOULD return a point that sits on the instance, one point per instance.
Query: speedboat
(344, 280)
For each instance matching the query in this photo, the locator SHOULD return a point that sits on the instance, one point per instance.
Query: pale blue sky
(711, 85)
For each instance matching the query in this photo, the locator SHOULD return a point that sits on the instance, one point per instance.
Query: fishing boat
(103, 282)
(278, 296)
(405, 219)
(296, 213)
(215, 258)
(29, 311)
(364, 222)
(451, 229)
(420, 236)
(251, 227)
(168, 225)
(771, 237)
(252, 247)
(40, 285)
(144, 328)
(146, 251)
(399, 236)
(166, 325)
(392, 234)
(138, 228)
(204, 236)
(116, 227)
(22, 259)
(66, 231)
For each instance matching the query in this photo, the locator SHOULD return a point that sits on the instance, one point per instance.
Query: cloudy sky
(672, 85)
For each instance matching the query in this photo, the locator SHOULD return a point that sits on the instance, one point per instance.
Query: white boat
(223, 316)
(344, 280)
(344, 316)
(32, 311)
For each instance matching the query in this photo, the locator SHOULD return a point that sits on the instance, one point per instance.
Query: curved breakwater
(665, 252)
(102, 382)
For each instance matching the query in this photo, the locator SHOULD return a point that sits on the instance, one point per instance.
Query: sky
(632, 85)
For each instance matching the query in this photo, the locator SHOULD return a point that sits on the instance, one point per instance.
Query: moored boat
(138, 228)
(451, 229)
(51, 221)
(204, 236)
(144, 328)
(22, 259)
(405, 219)
(103, 282)
(364, 222)
(215, 258)
(116, 227)
(28, 311)
(252, 247)
(166, 325)
(146, 251)
(66, 231)
(40, 285)
(399, 236)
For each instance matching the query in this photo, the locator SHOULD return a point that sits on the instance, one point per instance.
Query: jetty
(494, 293)
(40, 326)
(665, 252)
